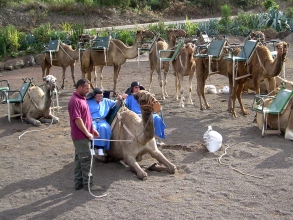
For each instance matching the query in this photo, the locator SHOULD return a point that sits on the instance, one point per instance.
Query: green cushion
(112, 113)
(214, 49)
(279, 103)
(4, 88)
(100, 43)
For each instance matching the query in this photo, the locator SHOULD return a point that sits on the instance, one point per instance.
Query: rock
(14, 64)
(38, 59)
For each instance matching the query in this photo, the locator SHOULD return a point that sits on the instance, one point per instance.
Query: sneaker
(99, 151)
(93, 188)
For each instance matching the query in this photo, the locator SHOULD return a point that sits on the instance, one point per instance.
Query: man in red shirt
(82, 132)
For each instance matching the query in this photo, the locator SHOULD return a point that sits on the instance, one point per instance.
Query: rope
(66, 52)
(90, 174)
(230, 166)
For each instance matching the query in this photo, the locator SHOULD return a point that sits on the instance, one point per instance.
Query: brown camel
(172, 35)
(116, 56)
(36, 104)
(260, 66)
(219, 66)
(64, 57)
(286, 119)
(265, 85)
(136, 135)
(184, 65)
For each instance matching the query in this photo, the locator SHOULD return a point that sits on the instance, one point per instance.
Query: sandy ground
(36, 169)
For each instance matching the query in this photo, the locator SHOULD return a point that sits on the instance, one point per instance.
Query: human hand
(124, 96)
(89, 136)
(96, 133)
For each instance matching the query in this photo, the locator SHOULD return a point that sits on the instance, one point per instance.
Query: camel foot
(157, 167)
(245, 113)
(142, 175)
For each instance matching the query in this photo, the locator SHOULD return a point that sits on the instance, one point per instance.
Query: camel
(137, 137)
(184, 65)
(202, 73)
(64, 57)
(116, 56)
(286, 119)
(265, 85)
(260, 66)
(172, 35)
(36, 104)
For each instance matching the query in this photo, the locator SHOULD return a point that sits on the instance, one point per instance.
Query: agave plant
(275, 19)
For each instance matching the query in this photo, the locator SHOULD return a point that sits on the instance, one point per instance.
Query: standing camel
(136, 135)
(116, 56)
(202, 73)
(172, 35)
(260, 66)
(64, 57)
(184, 65)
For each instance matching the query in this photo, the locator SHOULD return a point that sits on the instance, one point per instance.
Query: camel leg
(239, 97)
(31, 120)
(200, 93)
(272, 86)
(63, 76)
(72, 73)
(177, 85)
(151, 79)
(166, 70)
(134, 166)
(230, 92)
(49, 119)
(157, 154)
(115, 79)
(233, 99)
(158, 69)
(190, 89)
(181, 91)
(101, 76)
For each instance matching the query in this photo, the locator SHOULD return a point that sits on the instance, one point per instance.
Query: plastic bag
(213, 140)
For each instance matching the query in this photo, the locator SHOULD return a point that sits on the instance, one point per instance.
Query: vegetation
(14, 42)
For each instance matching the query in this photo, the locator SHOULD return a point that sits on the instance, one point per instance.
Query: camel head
(84, 38)
(257, 35)
(145, 34)
(173, 33)
(147, 101)
(190, 47)
(282, 48)
(50, 82)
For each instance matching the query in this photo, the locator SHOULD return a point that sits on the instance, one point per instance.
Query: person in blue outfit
(99, 109)
(133, 105)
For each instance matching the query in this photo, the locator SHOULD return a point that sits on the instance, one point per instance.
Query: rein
(66, 53)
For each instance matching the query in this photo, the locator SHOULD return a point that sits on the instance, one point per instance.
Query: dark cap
(94, 92)
(134, 84)
(98, 91)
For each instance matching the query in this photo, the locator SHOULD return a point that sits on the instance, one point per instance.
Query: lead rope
(233, 168)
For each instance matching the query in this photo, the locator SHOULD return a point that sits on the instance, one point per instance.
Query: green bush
(159, 5)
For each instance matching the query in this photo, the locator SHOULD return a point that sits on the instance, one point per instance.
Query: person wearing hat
(133, 105)
(99, 109)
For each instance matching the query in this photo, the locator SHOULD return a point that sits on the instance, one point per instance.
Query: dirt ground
(36, 165)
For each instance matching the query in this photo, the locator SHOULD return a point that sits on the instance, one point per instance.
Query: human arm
(79, 123)
(120, 98)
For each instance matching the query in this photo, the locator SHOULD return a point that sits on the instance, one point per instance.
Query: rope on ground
(230, 166)
(90, 174)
